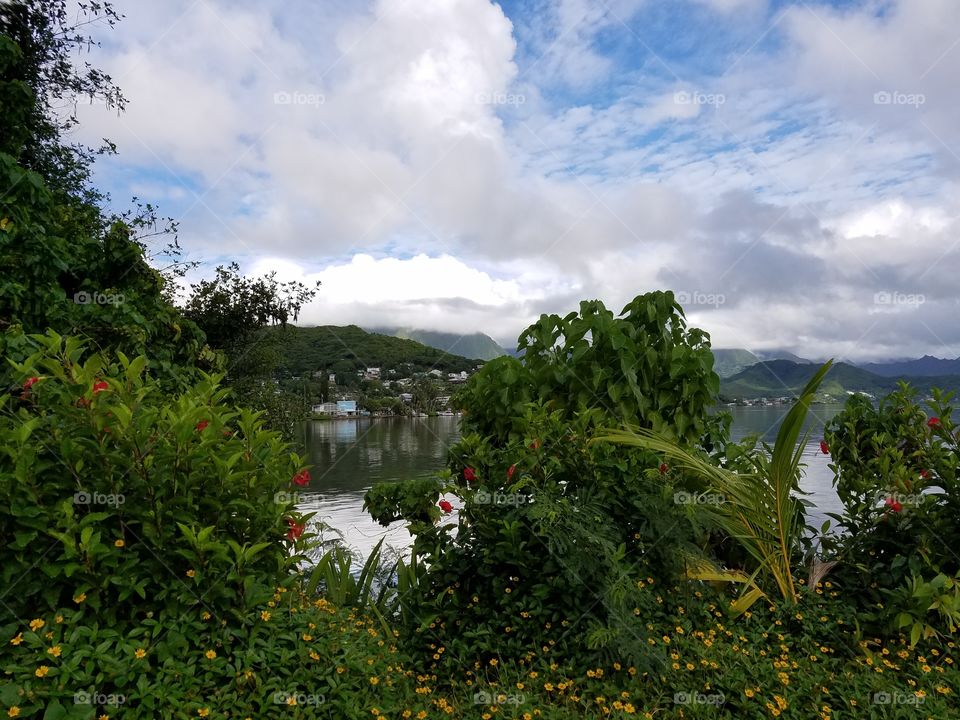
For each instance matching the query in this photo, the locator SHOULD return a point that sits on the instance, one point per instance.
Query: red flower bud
(469, 474)
(933, 422)
(202, 425)
(30, 382)
(893, 504)
(824, 448)
(445, 506)
(664, 468)
(100, 386)
(924, 474)
(302, 478)
(510, 471)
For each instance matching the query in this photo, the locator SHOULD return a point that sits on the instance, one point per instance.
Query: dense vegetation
(346, 349)
(473, 345)
(597, 546)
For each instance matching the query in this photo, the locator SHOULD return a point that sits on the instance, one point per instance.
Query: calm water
(349, 456)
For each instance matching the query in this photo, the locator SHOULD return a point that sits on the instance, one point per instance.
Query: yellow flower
(14, 711)
(203, 712)
(314, 655)
(493, 662)
(749, 692)
(205, 615)
(210, 654)
(265, 615)
(59, 619)
(118, 543)
(36, 624)
(374, 680)
(17, 640)
(192, 573)
(925, 668)
(80, 598)
(55, 651)
(140, 653)
(41, 671)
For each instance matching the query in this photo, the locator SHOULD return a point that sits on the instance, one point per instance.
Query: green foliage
(551, 525)
(895, 471)
(344, 350)
(644, 368)
(118, 498)
(758, 509)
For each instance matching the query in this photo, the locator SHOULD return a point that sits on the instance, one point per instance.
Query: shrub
(118, 498)
(895, 471)
(553, 528)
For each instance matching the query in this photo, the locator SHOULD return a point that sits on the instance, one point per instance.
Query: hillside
(474, 345)
(777, 378)
(730, 361)
(307, 349)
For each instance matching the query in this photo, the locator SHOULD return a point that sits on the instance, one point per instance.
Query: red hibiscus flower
(445, 506)
(302, 478)
(824, 448)
(510, 471)
(100, 386)
(664, 468)
(202, 425)
(296, 529)
(469, 474)
(30, 382)
(933, 422)
(893, 504)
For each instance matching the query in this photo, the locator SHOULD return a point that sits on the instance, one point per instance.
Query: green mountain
(779, 378)
(474, 345)
(730, 361)
(304, 350)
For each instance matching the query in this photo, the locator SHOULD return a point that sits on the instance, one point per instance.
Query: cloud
(453, 166)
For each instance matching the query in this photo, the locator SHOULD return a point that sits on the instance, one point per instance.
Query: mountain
(927, 366)
(307, 349)
(730, 361)
(474, 345)
(779, 378)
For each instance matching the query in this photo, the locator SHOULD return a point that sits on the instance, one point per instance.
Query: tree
(232, 310)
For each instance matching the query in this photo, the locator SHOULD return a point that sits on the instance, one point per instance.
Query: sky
(789, 169)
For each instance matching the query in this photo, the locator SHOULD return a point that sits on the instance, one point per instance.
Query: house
(327, 408)
(406, 397)
(346, 408)
(373, 372)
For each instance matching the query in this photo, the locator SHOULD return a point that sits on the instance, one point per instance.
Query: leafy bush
(895, 470)
(553, 526)
(116, 497)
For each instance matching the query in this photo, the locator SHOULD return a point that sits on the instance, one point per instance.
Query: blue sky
(789, 168)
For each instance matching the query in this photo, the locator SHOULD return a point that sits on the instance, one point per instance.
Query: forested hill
(307, 349)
